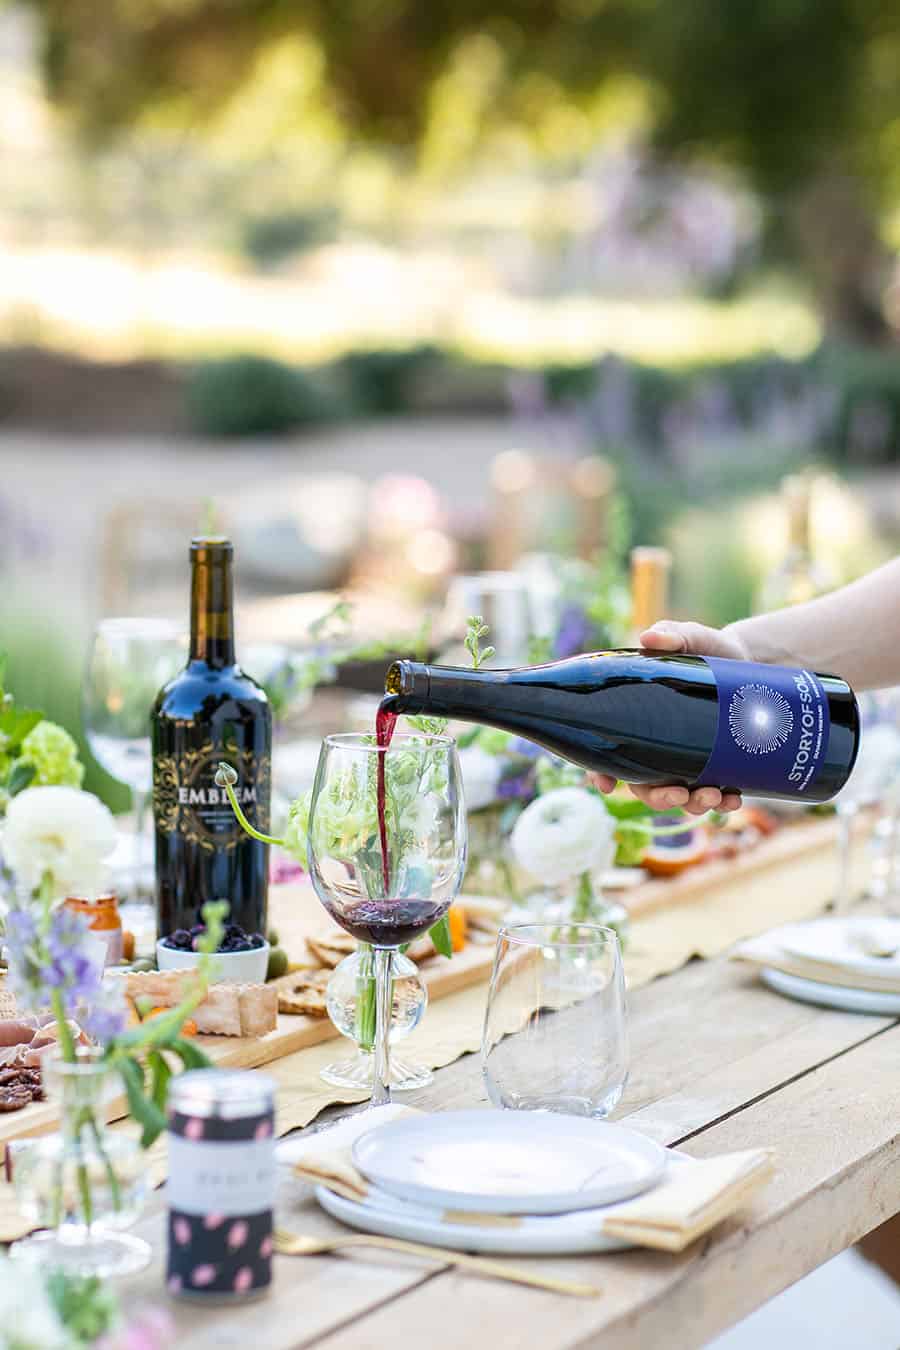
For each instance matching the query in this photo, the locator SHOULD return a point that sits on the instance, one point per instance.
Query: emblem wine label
(773, 728)
(187, 800)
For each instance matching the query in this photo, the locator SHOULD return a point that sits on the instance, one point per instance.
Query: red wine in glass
(385, 722)
(388, 923)
(385, 921)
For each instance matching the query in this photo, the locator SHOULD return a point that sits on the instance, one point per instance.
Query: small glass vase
(583, 902)
(86, 1184)
(351, 984)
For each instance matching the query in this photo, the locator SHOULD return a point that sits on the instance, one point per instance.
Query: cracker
(330, 951)
(304, 994)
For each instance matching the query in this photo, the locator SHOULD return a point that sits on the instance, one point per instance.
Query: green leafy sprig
(476, 629)
(142, 1055)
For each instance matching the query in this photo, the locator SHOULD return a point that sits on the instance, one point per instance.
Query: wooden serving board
(789, 844)
(295, 913)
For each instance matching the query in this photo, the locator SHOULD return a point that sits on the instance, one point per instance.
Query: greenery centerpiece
(33, 750)
(84, 1184)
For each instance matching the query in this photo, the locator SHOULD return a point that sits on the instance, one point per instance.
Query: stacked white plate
(858, 946)
(499, 1181)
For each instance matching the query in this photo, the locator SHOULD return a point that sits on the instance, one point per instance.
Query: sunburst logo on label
(760, 719)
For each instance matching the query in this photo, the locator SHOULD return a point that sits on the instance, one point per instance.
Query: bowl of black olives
(242, 958)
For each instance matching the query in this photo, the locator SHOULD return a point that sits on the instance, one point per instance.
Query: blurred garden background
(396, 292)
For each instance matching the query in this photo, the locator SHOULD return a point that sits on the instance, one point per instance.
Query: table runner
(659, 942)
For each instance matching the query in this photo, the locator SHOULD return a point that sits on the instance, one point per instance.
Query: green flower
(297, 826)
(54, 756)
(346, 818)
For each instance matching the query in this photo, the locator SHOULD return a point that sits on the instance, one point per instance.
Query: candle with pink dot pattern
(221, 1187)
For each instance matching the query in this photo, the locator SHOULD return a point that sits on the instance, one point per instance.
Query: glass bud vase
(583, 901)
(86, 1184)
(350, 1000)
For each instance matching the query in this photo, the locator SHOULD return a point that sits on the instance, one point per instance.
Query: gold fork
(297, 1244)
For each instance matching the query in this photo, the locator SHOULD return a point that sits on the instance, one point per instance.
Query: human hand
(668, 636)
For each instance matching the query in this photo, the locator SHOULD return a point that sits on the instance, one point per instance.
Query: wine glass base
(356, 1072)
(104, 1255)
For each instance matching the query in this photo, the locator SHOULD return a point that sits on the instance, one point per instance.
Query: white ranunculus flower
(60, 830)
(480, 776)
(562, 834)
(30, 1319)
(421, 816)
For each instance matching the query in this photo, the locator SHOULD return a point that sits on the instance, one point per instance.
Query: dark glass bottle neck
(212, 608)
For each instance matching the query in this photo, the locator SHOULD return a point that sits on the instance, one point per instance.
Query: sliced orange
(458, 927)
(668, 858)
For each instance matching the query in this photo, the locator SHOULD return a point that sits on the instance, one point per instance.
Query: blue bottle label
(772, 733)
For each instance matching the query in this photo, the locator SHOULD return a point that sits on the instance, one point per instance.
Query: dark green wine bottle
(773, 731)
(211, 711)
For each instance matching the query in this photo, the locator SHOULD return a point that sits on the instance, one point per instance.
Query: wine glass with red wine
(387, 849)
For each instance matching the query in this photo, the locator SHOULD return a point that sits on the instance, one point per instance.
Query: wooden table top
(718, 1063)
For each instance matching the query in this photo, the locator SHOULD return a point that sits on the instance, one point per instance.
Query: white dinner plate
(508, 1162)
(848, 942)
(522, 1235)
(831, 995)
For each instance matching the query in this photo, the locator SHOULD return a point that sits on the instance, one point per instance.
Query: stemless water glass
(554, 1033)
(128, 662)
(386, 901)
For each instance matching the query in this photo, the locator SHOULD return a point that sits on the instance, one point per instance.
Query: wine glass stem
(381, 1082)
(845, 816)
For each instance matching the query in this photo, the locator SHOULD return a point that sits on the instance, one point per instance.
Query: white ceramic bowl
(230, 967)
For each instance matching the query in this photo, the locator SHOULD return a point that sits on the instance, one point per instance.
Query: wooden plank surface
(720, 1063)
(793, 843)
(296, 914)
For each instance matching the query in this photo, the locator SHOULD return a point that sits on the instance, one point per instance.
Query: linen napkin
(693, 1196)
(857, 953)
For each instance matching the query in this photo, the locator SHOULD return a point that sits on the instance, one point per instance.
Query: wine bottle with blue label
(644, 718)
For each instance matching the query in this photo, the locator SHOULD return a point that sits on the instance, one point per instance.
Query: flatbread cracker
(330, 951)
(303, 995)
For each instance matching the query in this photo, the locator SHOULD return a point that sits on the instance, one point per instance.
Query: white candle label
(220, 1194)
(234, 1178)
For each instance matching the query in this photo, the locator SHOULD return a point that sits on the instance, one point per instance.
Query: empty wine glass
(128, 662)
(874, 775)
(409, 794)
(555, 1037)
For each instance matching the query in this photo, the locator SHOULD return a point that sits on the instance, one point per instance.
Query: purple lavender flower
(517, 786)
(573, 632)
(51, 956)
(528, 748)
(105, 1016)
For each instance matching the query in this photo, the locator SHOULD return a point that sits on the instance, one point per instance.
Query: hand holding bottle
(696, 638)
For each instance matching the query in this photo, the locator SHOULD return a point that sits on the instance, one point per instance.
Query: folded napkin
(693, 1196)
(856, 953)
(324, 1158)
(690, 1200)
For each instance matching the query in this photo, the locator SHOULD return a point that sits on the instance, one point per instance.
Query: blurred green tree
(800, 96)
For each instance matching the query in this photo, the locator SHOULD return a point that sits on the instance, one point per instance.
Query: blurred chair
(302, 534)
(546, 503)
(298, 535)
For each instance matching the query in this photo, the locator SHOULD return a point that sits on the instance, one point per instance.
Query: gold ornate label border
(196, 768)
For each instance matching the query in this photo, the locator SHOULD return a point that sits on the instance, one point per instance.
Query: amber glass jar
(103, 919)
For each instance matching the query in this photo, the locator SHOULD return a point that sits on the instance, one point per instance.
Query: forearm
(853, 632)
